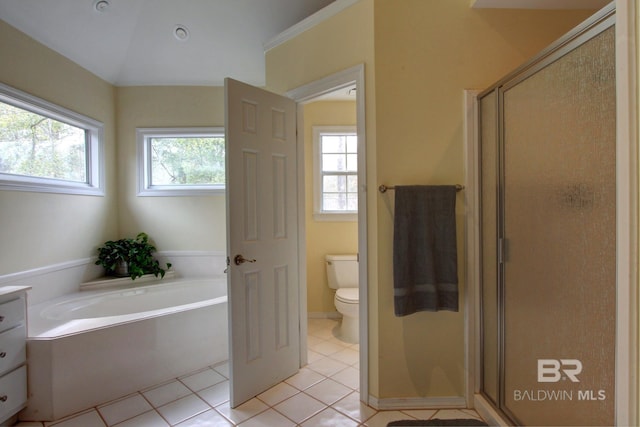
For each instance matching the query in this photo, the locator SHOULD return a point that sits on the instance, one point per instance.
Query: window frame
(318, 213)
(94, 145)
(145, 188)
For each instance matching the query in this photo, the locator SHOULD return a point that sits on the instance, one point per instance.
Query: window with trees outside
(181, 161)
(335, 173)
(47, 148)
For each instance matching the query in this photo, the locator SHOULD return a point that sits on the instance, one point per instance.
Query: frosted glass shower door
(559, 200)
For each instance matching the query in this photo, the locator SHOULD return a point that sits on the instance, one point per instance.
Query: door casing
(303, 95)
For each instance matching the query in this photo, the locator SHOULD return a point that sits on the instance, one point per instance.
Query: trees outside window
(335, 173)
(44, 147)
(181, 161)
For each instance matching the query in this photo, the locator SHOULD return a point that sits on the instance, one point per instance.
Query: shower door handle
(239, 259)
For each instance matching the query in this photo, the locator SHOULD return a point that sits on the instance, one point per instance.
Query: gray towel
(425, 257)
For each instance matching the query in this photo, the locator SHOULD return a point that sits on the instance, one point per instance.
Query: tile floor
(324, 393)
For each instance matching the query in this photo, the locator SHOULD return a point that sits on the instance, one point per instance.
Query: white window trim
(143, 136)
(94, 156)
(318, 213)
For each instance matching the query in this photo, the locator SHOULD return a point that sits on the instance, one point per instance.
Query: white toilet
(342, 275)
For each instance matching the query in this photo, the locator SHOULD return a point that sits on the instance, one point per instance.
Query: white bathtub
(93, 346)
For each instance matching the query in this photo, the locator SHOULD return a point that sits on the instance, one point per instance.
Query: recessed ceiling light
(101, 5)
(181, 33)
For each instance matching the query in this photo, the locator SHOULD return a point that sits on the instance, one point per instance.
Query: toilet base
(349, 329)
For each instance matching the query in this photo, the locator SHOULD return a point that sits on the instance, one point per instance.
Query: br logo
(553, 370)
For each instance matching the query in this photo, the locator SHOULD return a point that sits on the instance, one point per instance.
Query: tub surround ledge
(113, 281)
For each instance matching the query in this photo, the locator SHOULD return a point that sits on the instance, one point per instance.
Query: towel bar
(383, 188)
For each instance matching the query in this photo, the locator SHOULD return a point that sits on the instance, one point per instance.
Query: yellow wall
(427, 53)
(324, 237)
(39, 229)
(195, 223)
(419, 56)
(333, 45)
(635, 412)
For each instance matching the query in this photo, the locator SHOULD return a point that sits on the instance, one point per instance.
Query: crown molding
(308, 23)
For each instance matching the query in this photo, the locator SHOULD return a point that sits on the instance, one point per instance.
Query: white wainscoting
(52, 281)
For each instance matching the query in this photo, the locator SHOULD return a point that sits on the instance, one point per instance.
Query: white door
(262, 240)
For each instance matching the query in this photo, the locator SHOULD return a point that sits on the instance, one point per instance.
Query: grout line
(315, 329)
(294, 422)
(155, 409)
(104, 421)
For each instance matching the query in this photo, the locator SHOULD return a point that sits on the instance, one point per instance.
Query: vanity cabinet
(13, 351)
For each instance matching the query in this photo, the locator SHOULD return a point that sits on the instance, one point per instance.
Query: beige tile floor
(324, 393)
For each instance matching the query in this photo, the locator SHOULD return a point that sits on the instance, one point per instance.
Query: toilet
(342, 275)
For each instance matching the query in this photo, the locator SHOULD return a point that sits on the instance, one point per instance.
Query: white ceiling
(132, 41)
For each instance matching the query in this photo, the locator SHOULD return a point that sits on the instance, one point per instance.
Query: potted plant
(130, 258)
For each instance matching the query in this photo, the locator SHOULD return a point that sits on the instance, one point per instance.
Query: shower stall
(548, 233)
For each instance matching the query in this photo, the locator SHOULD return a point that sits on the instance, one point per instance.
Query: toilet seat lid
(347, 295)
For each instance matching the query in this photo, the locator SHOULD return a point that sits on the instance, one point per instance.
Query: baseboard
(399, 403)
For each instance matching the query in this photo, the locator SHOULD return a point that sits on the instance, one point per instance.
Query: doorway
(352, 81)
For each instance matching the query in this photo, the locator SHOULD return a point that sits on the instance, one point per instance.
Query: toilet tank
(342, 271)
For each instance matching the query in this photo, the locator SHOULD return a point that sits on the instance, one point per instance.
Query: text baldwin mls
(552, 371)
(548, 395)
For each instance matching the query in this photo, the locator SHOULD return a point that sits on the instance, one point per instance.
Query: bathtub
(93, 346)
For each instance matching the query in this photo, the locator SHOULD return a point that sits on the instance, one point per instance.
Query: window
(47, 148)
(181, 161)
(335, 173)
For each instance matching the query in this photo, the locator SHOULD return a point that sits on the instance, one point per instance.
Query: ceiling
(133, 42)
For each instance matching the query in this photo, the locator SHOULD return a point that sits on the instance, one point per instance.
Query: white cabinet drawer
(13, 392)
(12, 313)
(13, 348)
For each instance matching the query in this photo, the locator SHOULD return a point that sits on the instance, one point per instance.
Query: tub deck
(120, 302)
(78, 363)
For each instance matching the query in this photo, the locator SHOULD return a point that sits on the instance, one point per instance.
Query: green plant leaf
(136, 252)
